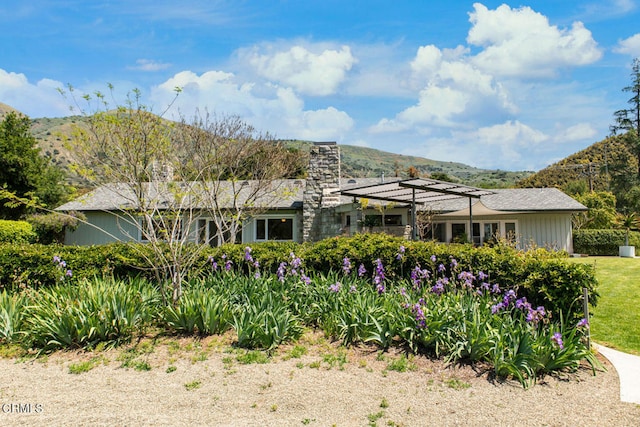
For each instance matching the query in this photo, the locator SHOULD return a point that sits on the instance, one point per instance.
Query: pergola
(415, 191)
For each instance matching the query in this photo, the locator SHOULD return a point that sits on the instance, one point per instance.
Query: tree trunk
(176, 284)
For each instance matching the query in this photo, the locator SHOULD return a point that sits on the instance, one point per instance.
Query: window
(435, 231)
(476, 234)
(389, 220)
(276, 228)
(491, 231)
(208, 233)
(510, 231)
(459, 232)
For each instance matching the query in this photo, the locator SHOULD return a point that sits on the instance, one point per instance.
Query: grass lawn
(616, 320)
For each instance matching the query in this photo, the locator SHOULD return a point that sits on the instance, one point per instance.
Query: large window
(435, 231)
(208, 233)
(389, 220)
(483, 232)
(459, 232)
(276, 228)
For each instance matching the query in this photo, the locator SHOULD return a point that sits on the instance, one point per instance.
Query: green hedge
(16, 232)
(602, 242)
(545, 278)
(32, 265)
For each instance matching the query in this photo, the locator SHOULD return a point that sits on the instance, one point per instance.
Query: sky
(510, 86)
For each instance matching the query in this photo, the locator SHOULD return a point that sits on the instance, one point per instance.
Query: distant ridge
(589, 166)
(5, 109)
(356, 161)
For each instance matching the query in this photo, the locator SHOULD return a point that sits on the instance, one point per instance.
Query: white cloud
(149, 65)
(506, 135)
(494, 147)
(270, 108)
(522, 43)
(452, 93)
(309, 73)
(41, 99)
(629, 46)
(436, 107)
(578, 132)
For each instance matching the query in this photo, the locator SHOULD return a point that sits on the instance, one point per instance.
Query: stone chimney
(320, 195)
(161, 172)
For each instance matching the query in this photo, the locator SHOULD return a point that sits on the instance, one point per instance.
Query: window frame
(266, 218)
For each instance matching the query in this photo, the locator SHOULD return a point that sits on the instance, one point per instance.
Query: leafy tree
(25, 176)
(601, 213)
(442, 176)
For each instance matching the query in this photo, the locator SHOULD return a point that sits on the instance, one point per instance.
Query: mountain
(592, 168)
(356, 161)
(4, 109)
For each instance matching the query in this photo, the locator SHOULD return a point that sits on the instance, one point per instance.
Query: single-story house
(324, 204)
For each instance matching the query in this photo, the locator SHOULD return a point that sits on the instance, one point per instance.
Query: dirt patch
(187, 382)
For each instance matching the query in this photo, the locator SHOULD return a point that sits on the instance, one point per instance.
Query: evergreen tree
(23, 172)
(628, 119)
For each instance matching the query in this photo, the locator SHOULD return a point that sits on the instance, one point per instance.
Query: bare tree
(165, 176)
(241, 170)
(424, 223)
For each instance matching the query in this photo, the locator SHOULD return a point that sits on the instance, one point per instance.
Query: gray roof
(288, 194)
(280, 194)
(518, 200)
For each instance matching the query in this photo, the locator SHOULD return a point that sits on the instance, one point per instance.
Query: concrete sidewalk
(628, 367)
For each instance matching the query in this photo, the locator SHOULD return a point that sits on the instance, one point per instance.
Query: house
(326, 205)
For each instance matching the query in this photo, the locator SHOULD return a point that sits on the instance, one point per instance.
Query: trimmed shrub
(602, 242)
(50, 228)
(546, 278)
(16, 232)
(32, 265)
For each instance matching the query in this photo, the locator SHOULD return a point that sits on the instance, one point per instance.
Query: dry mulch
(187, 382)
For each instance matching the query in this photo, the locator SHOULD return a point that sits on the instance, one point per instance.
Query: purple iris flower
(361, 270)
(346, 265)
(557, 338)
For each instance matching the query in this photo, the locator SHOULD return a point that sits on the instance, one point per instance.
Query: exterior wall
(119, 230)
(249, 228)
(114, 230)
(320, 217)
(551, 231)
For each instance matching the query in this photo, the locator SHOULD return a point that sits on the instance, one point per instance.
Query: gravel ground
(184, 382)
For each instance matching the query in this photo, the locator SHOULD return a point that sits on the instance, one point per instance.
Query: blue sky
(511, 86)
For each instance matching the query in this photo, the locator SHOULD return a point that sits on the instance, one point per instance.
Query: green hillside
(356, 161)
(363, 162)
(591, 168)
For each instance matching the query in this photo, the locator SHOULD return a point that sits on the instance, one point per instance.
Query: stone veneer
(320, 219)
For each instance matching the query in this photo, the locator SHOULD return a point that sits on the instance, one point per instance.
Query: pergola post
(470, 223)
(414, 234)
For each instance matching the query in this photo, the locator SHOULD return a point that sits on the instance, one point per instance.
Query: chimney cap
(324, 143)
